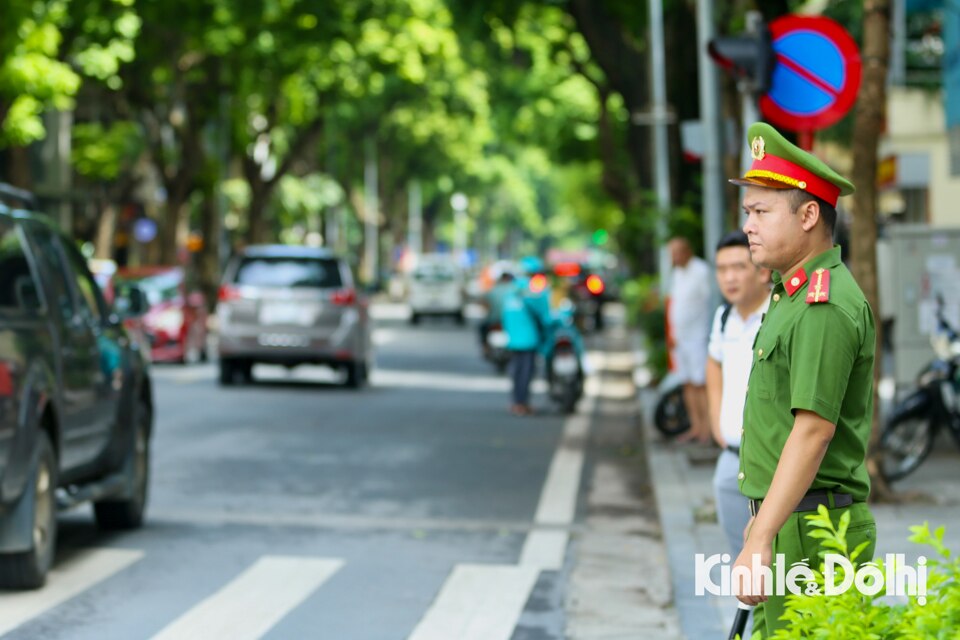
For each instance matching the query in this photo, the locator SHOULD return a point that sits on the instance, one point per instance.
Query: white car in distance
(436, 288)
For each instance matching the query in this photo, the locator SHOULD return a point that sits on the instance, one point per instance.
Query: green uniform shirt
(817, 357)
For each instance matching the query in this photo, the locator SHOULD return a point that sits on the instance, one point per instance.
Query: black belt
(732, 449)
(812, 500)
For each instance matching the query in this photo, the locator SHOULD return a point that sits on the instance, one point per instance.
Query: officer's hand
(747, 589)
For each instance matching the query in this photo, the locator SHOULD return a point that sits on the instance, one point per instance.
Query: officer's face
(740, 280)
(776, 234)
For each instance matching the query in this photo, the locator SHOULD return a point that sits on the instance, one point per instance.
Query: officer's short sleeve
(823, 348)
(715, 347)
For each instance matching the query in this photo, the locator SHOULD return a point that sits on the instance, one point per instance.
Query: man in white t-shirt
(746, 287)
(689, 318)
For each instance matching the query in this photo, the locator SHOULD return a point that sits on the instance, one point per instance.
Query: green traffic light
(600, 237)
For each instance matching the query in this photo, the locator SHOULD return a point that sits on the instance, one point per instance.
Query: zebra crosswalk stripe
(478, 602)
(255, 601)
(65, 580)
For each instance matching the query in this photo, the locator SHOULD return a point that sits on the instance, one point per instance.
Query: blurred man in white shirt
(746, 288)
(689, 319)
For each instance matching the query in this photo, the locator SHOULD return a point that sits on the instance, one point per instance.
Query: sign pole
(713, 176)
(661, 155)
(805, 139)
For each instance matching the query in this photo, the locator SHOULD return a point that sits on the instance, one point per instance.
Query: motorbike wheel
(905, 443)
(569, 405)
(670, 416)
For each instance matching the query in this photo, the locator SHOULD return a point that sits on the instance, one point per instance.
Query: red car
(176, 319)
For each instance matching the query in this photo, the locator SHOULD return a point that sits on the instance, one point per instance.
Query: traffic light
(600, 237)
(750, 56)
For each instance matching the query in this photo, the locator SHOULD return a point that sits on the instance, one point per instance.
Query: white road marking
(558, 499)
(448, 382)
(547, 548)
(478, 602)
(252, 603)
(65, 580)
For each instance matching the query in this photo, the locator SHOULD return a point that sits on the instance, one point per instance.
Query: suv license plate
(286, 313)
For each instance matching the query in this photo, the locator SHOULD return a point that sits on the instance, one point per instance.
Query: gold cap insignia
(757, 148)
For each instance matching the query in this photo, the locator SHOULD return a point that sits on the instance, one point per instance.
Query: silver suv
(292, 305)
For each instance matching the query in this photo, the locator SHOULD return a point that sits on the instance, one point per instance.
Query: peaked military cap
(779, 164)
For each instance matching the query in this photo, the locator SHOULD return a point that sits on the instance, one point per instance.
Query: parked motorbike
(912, 430)
(495, 347)
(670, 416)
(565, 370)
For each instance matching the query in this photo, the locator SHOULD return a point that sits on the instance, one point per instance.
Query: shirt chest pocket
(764, 378)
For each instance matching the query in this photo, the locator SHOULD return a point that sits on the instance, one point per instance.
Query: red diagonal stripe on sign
(806, 75)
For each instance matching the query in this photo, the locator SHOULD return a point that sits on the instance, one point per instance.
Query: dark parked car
(76, 404)
(292, 305)
(175, 322)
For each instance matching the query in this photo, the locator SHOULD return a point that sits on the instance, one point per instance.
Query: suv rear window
(434, 273)
(317, 273)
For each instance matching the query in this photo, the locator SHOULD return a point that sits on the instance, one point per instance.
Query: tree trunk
(260, 194)
(868, 126)
(19, 173)
(209, 258)
(261, 189)
(168, 233)
(625, 67)
(106, 229)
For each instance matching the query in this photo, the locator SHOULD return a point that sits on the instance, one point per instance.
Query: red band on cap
(774, 166)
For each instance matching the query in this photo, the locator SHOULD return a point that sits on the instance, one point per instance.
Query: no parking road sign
(816, 75)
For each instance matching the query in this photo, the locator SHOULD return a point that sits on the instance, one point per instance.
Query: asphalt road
(293, 508)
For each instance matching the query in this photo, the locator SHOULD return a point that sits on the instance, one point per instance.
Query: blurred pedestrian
(689, 318)
(526, 321)
(746, 289)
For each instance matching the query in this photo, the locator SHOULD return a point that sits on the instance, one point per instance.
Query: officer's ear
(809, 213)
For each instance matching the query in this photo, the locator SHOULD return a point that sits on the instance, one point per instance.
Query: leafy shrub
(855, 616)
(645, 311)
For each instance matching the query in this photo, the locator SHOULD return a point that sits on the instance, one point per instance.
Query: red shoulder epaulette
(819, 288)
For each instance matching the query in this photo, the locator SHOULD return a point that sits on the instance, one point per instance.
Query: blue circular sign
(817, 73)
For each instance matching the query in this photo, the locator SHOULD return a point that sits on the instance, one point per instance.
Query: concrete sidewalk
(682, 482)
(620, 581)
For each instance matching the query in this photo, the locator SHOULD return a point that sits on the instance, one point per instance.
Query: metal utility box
(917, 263)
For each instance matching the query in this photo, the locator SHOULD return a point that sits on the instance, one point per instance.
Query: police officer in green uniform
(809, 404)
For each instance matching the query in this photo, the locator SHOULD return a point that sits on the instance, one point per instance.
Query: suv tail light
(228, 293)
(344, 297)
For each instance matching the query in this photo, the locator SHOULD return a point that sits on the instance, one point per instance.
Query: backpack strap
(727, 308)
